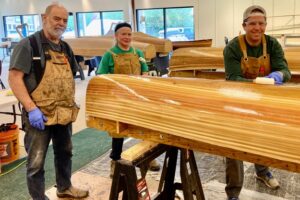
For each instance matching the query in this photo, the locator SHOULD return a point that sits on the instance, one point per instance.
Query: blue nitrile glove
(37, 119)
(277, 76)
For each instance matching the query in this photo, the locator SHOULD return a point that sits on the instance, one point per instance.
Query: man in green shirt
(123, 59)
(247, 57)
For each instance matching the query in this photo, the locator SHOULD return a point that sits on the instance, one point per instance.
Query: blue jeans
(36, 145)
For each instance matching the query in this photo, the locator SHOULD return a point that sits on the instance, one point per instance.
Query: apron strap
(264, 46)
(243, 46)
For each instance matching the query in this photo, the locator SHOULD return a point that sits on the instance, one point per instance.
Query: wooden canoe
(257, 123)
(201, 62)
(200, 57)
(215, 74)
(97, 46)
(196, 58)
(293, 58)
(163, 46)
(193, 43)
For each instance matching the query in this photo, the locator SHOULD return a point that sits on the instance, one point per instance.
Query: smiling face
(255, 27)
(123, 37)
(55, 23)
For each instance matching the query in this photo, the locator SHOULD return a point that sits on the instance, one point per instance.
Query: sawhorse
(125, 177)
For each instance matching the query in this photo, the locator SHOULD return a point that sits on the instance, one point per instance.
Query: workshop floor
(95, 175)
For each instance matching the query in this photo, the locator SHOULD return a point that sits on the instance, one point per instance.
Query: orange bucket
(9, 143)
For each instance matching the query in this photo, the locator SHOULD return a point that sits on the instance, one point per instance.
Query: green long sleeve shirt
(233, 54)
(106, 65)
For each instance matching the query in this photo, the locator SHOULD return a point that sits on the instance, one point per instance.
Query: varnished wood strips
(196, 58)
(260, 120)
(161, 45)
(212, 58)
(192, 43)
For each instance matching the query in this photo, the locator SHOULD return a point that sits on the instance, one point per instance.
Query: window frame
(164, 18)
(101, 21)
(21, 20)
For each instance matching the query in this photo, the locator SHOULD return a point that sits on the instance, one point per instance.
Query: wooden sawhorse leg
(191, 183)
(190, 180)
(125, 179)
(166, 188)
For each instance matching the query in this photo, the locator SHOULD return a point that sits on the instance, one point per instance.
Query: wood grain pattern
(192, 43)
(293, 58)
(239, 120)
(212, 57)
(138, 150)
(196, 58)
(218, 74)
(161, 45)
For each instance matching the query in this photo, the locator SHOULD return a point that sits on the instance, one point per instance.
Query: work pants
(117, 145)
(235, 176)
(36, 144)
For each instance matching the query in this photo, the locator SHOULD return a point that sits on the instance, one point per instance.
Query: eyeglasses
(254, 23)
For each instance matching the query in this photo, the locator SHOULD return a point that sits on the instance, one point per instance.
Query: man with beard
(41, 77)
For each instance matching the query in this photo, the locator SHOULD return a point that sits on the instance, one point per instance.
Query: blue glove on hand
(37, 119)
(277, 76)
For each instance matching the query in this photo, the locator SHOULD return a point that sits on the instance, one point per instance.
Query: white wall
(220, 18)
(213, 18)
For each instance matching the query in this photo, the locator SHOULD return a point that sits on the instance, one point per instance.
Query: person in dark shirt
(45, 87)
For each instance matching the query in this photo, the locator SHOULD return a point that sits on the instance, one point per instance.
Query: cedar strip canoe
(212, 57)
(257, 123)
(163, 46)
(215, 74)
(197, 57)
(97, 46)
(193, 43)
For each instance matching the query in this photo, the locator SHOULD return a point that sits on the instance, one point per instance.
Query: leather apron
(127, 63)
(254, 67)
(55, 94)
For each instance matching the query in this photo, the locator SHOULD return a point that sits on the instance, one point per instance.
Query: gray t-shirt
(21, 59)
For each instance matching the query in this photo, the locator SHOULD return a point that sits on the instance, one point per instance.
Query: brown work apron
(254, 67)
(55, 94)
(127, 63)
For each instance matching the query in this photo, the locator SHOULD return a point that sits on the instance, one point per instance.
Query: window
(10, 23)
(70, 30)
(111, 18)
(31, 24)
(151, 21)
(180, 24)
(176, 24)
(89, 24)
(97, 23)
